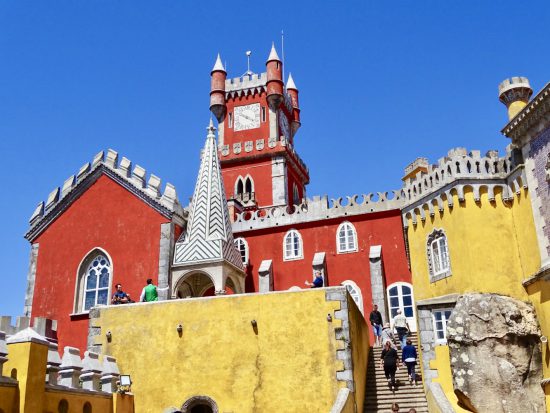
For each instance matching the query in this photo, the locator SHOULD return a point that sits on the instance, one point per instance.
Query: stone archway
(199, 404)
(193, 284)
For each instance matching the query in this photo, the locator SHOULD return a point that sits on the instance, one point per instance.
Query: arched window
(94, 281)
(295, 195)
(293, 245)
(248, 186)
(239, 188)
(355, 293)
(63, 406)
(242, 247)
(346, 238)
(87, 408)
(439, 264)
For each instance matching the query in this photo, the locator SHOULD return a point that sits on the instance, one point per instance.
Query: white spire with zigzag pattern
(209, 237)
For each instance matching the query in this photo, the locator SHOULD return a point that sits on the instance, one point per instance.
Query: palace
(235, 328)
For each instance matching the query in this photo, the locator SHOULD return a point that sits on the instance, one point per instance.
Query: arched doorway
(195, 284)
(200, 404)
(400, 297)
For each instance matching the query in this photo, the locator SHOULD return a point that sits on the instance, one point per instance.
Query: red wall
(106, 216)
(384, 228)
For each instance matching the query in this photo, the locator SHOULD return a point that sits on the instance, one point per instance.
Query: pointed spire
(211, 129)
(218, 66)
(209, 235)
(273, 54)
(290, 82)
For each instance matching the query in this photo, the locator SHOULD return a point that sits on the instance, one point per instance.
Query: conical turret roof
(218, 66)
(209, 237)
(290, 82)
(273, 54)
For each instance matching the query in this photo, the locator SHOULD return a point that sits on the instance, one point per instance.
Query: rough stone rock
(495, 354)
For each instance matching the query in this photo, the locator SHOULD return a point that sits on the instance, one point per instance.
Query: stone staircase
(379, 397)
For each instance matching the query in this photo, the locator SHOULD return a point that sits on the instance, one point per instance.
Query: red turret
(274, 79)
(217, 90)
(293, 93)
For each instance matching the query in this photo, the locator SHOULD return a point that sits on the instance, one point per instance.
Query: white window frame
(241, 241)
(358, 296)
(436, 240)
(80, 285)
(295, 255)
(444, 320)
(339, 245)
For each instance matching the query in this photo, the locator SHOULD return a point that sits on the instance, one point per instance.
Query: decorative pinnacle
(273, 54)
(290, 82)
(211, 129)
(218, 66)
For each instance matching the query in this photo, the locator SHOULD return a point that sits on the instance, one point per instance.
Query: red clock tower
(258, 118)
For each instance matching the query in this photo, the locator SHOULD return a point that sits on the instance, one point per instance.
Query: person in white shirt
(402, 327)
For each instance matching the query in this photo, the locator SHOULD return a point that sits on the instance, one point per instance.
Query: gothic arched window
(293, 245)
(346, 238)
(355, 293)
(439, 263)
(94, 281)
(295, 195)
(242, 247)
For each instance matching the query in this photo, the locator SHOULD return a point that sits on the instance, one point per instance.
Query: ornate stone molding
(434, 235)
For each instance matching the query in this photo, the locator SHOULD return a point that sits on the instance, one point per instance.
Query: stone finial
(91, 371)
(54, 361)
(125, 166)
(153, 186)
(111, 159)
(110, 374)
(265, 273)
(52, 198)
(515, 94)
(70, 368)
(84, 169)
(97, 159)
(27, 335)
(37, 214)
(3, 351)
(67, 185)
(138, 176)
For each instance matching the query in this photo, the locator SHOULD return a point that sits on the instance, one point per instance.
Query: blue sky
(381, 83)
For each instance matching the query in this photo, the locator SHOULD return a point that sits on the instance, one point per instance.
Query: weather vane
(248, 71)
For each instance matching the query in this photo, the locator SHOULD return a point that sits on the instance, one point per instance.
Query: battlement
(417, 163)
(316, 209)
(512, 83)
(243, 85)
(458, 164)
(453, 174)
(134, 179)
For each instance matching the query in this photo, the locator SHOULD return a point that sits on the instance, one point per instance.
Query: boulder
(496, 359)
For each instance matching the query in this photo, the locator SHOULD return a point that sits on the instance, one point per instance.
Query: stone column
(3, 351)
(165, 259)
(110, 374)
(54, 361)
(31, 275)
(91, 371)
(278, 180)
(377, 281)
(70, 368)
(265, 279)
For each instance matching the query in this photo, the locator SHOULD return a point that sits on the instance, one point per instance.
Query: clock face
(283, 125)
(247, 117)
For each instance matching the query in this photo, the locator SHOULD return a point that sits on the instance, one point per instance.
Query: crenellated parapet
(316, 209)
(130, 176)
(43, 326)
(246, 85)
(433, 186)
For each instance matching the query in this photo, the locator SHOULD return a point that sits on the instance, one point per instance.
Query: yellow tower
(515, 94)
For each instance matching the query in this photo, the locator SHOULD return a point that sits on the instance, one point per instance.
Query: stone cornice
(532, 118)
(60, 199)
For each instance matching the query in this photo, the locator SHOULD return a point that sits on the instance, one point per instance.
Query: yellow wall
(539, 294)
(442, 363)
(288, 365)
(492, 246)
(29, 359)
(9, 399)
(31, 394)
(359, 334)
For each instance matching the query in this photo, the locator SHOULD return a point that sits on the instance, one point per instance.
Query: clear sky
(381, 83)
